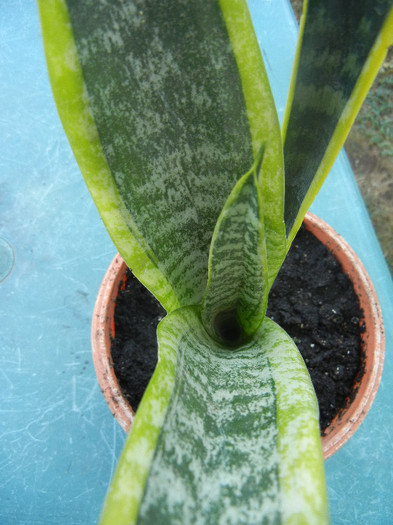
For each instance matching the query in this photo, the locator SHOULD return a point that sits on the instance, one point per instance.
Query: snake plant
(168, 110)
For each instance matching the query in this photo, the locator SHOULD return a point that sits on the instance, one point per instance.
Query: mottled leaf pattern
(343, 44)
(165, 105)
(218, 458)
(165, 94)
(74, 110)
(163, 86)
(264, 128)
(236, 296)
(161, 101)
(301, 469)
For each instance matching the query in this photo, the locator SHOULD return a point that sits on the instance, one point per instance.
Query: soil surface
(320, 311)
(311, 299)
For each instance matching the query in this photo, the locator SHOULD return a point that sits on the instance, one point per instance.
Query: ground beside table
(59, 443)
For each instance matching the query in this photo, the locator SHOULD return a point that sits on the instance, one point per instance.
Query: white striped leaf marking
(165, 93)
(236, 295)
(206, 446)
(75, 113)
(264, 127)
(163, 130)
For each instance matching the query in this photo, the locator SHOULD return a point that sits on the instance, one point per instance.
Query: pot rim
(347, 421)
(102, 334)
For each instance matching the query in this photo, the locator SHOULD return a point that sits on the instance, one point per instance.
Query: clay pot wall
(344, 424)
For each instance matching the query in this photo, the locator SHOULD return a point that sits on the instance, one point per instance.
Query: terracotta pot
(348, 421)
(344, 424)
(102, 334)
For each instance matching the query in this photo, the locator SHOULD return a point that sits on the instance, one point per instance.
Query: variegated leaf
(222, 436)
(236, 295)
(342, 45)
(164, 104)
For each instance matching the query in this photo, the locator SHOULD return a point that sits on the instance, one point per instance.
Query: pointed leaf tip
(235, 299)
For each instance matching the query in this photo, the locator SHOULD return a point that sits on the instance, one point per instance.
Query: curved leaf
(164, 127)
(236, 295)
(303, 500)
(264, 128)
(341, 47)
(75, 113)
(239, 436)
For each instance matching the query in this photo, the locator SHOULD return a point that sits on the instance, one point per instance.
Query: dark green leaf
(222, 437)
(341, 52)
(236, 295)
(165, 104)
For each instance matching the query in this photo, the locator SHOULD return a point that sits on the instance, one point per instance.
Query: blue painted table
(59, 443)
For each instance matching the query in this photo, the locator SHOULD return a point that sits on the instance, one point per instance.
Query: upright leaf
(236, 296)
(168, 112)
(72, 102)
(264, 128)
(341, 47)
(219, 456)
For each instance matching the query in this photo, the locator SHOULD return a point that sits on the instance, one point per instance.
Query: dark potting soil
(312, 299)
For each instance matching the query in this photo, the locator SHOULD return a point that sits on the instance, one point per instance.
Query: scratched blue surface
(58, 441)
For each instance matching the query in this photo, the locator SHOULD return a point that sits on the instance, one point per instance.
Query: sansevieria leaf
(236, 296)
(165, 111)
(214, 440)
(342, 45)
